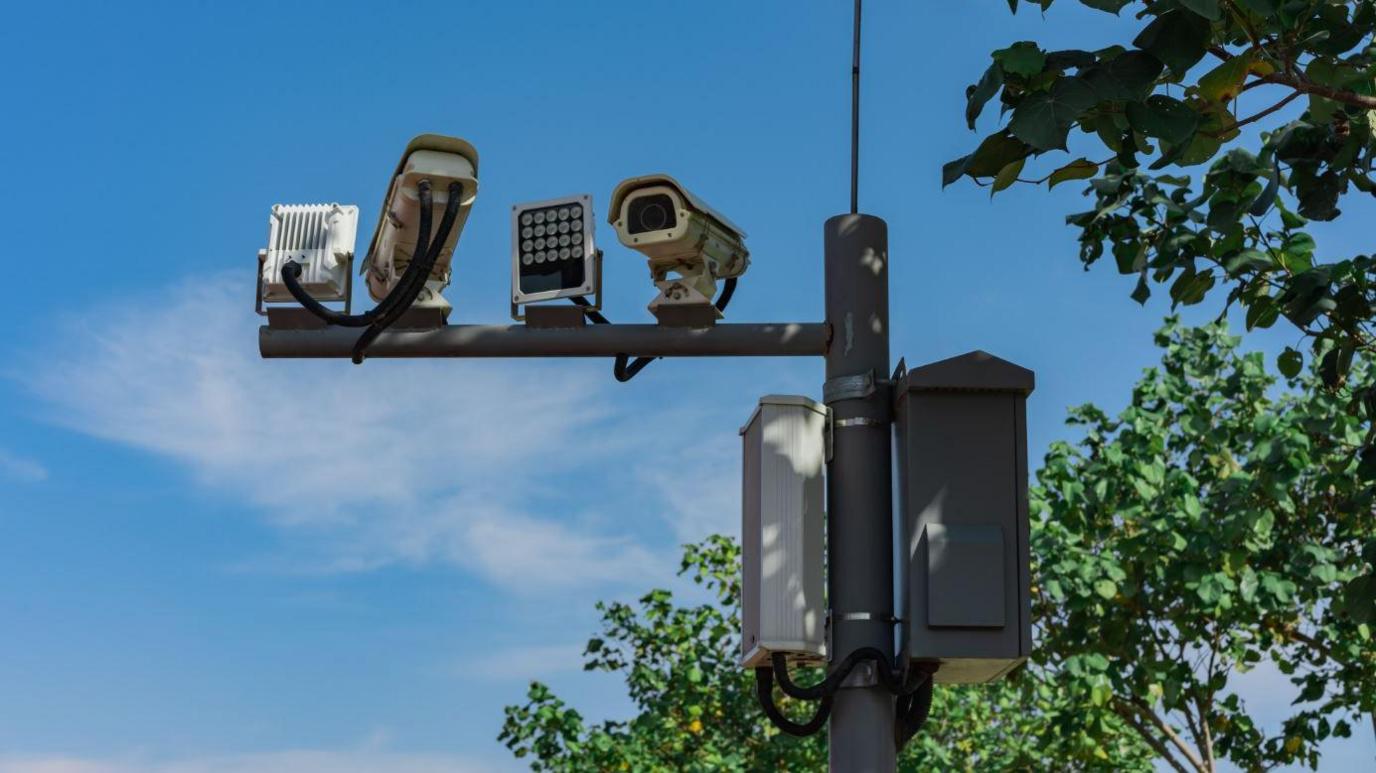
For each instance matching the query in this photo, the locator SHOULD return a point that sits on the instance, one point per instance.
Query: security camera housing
(441, 160)
(689, 245)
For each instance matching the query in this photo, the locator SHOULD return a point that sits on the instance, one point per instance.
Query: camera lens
(651, 213)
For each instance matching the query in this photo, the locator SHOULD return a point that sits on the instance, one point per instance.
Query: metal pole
(789, 339)
(855, 116)
(859, 496)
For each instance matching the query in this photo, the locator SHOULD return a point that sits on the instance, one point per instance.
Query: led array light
(552, 250)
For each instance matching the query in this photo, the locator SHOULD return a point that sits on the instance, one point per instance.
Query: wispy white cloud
(393, 462)
(295, 761)
(699, 485)
(524, 663)
(20, 468)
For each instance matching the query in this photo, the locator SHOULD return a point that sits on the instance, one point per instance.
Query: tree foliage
(696, 708)
(1203, 85)
(1211, 526)
(1215, 524)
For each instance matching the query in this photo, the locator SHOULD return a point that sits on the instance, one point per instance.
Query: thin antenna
(855, 118)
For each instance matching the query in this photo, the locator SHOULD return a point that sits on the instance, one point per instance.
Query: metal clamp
(854, 387)
(862, 617)
(859, 421)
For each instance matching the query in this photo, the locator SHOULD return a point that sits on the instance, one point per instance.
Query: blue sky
(200, 575)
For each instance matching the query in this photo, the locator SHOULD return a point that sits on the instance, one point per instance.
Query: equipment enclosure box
(962, 490)
(782, 609)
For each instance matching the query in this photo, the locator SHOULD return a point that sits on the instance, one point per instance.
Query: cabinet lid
(976, 371)
(797, 401)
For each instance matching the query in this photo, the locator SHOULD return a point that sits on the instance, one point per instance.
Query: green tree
(1172, 98)
(697, 709)
(1212, 525)
(1216, 523)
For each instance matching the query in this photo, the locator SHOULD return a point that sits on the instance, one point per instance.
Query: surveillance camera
(689, 245)
(442, 161)
(553, 254)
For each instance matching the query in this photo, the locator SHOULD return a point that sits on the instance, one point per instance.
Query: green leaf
(1359, 599)
(1268, 195)
(1068, 58)
(1190, 287)
(1007, 175)
(1207, 8)
(1165, 118)
(1324, 573)
(1106, 588)
(979, 94)
(1126, 77)
(1298, 252)
(1262, 313)
(1335, 365)
(1291, 220)
(994, 153)
(1224, 82)
(954, 170)
(1079, 169)
(1022, 58)
(1044, 118)
(1290, 362)
(1142, 291)
(1100, 694)
(1111, 6)
(1178, 38)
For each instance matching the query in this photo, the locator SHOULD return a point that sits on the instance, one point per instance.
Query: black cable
(911, 712)
(828, 686)
(898, 681)
(624, 369)
(623, 372)
(291, 276)
(426, 253)
(764, 688)
(593, 314)
(407, 287)
(727, 290)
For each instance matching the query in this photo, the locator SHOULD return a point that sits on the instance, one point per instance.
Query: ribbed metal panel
(782, 521)
(319, 238)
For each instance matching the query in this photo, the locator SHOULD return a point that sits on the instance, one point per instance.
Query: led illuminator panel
(552, 249)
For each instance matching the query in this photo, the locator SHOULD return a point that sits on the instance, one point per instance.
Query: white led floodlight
(441, 160)
(553, 254)
(320, 239)
(689, 245)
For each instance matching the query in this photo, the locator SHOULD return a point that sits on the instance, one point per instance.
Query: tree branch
(1124, 711)
(1194, 727)
(1239, 124)
(1306, 86)
(1171, 735)
(1315, 645)
(1206, 704)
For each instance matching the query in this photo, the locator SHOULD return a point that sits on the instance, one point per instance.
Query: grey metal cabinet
(960, 429)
